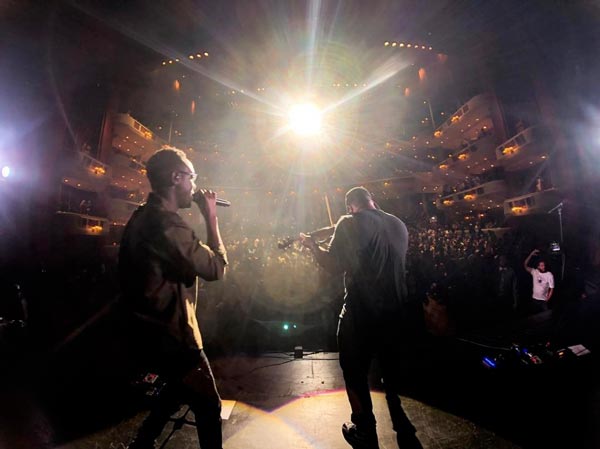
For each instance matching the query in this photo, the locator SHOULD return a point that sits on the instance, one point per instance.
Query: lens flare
(5, 171)
(305, 119)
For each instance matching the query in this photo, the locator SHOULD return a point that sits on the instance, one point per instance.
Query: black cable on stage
(291, 359)
(498, 348)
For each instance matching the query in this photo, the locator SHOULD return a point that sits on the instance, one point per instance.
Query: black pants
(360, 340)
(537, 306)
(196, 387)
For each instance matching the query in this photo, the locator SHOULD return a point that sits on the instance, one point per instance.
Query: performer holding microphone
(159, 261)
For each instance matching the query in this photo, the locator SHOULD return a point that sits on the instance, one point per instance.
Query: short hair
(161, 164)
(359, 196)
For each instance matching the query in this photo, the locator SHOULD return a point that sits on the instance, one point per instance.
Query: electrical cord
(289, 358)
(498, 348)
(256, 368)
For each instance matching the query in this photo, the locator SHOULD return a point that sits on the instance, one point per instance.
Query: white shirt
(542, 282)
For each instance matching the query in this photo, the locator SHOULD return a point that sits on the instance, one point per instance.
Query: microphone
(220, 201)
(558, 206)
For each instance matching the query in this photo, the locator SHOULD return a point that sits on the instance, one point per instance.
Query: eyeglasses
(192, 176)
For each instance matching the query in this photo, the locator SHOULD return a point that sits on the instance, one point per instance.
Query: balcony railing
(73, 223)
(128, 173)
(475, 102)
(136, 126)
(474, 195)
(121, 159)
(476, 157)
(532, 203)
(94, 166)
(87, 173)
(521, 150)
(120, 210)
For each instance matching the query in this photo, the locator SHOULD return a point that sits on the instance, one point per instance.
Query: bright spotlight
(5, 171)
(305, 119)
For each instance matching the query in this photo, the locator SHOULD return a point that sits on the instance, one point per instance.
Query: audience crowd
(470, 274)
(474, 273)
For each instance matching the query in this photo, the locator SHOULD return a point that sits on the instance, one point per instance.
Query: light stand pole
(170, 127)
(558, 208)
(431, 114)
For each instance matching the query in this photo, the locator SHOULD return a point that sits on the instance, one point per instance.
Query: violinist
(369, 247)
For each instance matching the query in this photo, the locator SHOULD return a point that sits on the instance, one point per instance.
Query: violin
(321, 235)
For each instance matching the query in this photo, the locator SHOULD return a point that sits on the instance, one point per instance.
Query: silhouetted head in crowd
(503, 261)
(171, 176)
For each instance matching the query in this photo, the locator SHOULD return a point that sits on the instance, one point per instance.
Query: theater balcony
(532, 203)
(81, 210)
(83, 172)
(133, 138)
(469, 121)
(523, 150)
(475, 158)
(426, 182)
(482, 197)
(120, 210)
(128, 173)
(73, 223)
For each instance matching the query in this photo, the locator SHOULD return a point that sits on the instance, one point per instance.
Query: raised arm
(535, 252)
(207, 203)
(194, 257)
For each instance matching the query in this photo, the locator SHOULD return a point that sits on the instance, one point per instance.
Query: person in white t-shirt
(543, 284)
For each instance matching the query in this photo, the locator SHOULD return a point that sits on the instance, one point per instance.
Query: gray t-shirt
(370, 248)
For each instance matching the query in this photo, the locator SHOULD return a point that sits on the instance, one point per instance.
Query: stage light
(5, 171)
(305, 119)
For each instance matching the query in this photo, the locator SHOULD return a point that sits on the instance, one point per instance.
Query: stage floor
(272, 400)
